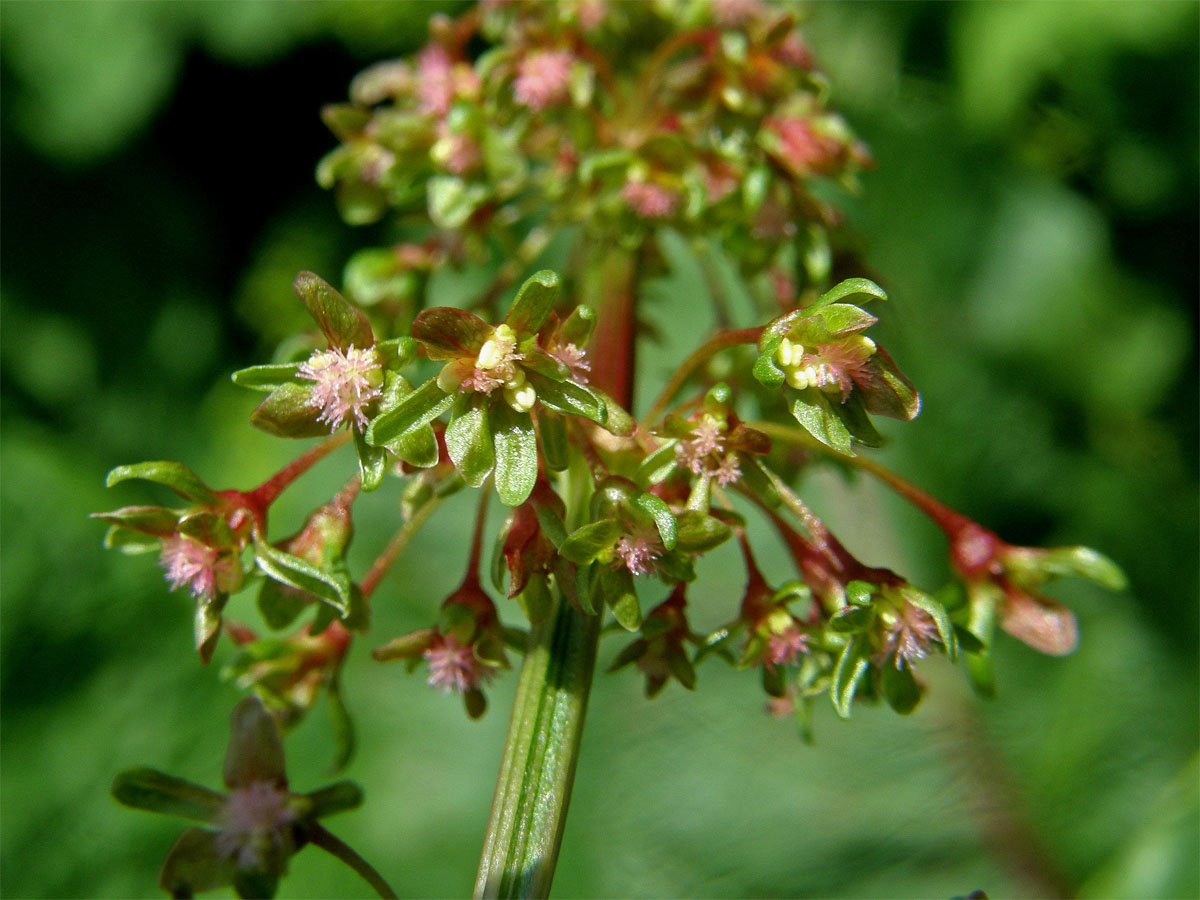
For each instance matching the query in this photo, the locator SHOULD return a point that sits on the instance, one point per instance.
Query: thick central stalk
(533, 790)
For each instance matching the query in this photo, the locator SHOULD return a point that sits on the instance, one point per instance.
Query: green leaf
(266, 378)
(811, 409)
(128, 542)
(885, 390)
(419, 408)
(288, 412)
(578, 327)
(568, 398)
(333, 588)
(857, 422)
(536, 601)
(680, 666)
(176, 476)
(342, 324)
(617, 420)
(194, 865)
(658, 466)
(1082, 561)
(851, 287)
(765, 370)
(409, 646)
(551, 523)
(840, 319)
(450, 333)
(847, 673)
(664, 519)
(586, 543)
(469, 439)
(533, 303)
(900, 688)
(255, 749)
(206, 625)
(149, 789)
(516, 454)
(698, 533)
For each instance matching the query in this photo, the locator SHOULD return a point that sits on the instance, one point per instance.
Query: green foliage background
(1034, 217)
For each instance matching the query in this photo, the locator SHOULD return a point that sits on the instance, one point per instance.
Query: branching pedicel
(614, 126)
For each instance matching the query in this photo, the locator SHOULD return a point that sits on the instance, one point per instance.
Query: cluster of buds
(710, 122)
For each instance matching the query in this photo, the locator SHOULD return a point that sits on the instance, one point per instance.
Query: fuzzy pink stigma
(454, 668)
(343, 384)
(435, 80)
(908, 638)
(543, 79)
(253, 820)
(637, 554)
(649, 200)
(785, 648)
(189, 564)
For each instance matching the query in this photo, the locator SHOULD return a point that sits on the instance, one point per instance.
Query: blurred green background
(1034, 217)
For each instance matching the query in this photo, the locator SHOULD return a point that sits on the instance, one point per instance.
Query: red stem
(267, 492)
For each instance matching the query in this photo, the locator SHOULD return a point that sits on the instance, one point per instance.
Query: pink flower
(435, 80)
(638, 553)
(732, 13)
(190, 564)
(575, 360)
(784, 648)
(650, 200)
(543, 78)
(704, 453)
(255, 817)
(453, 667)
(345, 383)
(802, 148)
(908, 637)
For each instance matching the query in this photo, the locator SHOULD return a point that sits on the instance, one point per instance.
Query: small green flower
(838, 373)
(253, 830)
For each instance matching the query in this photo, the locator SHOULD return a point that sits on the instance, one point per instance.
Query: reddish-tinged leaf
(450, 333)
(343, 324)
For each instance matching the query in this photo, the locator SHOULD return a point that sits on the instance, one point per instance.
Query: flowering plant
(609, 131)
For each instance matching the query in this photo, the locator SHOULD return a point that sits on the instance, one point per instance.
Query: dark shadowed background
(1034, 219)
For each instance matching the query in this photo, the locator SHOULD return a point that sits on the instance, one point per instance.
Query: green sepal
(851, 665)
(194, 865)
(417, 409)
(268, 377)
(589, 541)
(832, 321)
(658, 466)
(397, 352)
(516, 454)
(206, 625)
(206, 527)
(128, 542)
(417, 447)
(967, 641)
(255, 883)
(1060, 561)
(765, 371)
(699, 533)
(288, 412)
(569, 398)
(617, 420)
(552, 430)
(533, 303)
(255, 749)
(475, 703)
(342, 324)
(150, 789)
(372, 462)
(469, 438)
(885, 390)
(176, 476)
(851, 620)
(857, 422)
(616, 584)
(332, 799)
(150, 520)
(452, 201)
(333, 588)
(681, 667)
(756, 479)
(938, 613)
(579, 325)
(552, 524)
(664, 519)
(448, 332)
(409, 646)
(900, 688)
(627, 655)
(981, 669)
(812, 410)
(851, 287)
(281, 604)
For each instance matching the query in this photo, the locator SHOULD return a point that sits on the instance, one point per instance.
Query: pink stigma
(785, 648)
(454, 668)
(189, 564)
(649, 200)
(543, 79)
(253, 818)
(343, 385)
(637, 554)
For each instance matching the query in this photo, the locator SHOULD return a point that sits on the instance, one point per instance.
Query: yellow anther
(521, 399)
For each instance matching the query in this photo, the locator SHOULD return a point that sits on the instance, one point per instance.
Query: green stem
(534, 788)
